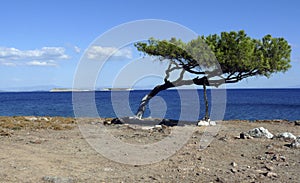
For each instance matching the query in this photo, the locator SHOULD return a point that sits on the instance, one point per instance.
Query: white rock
(108, 169)
(203, 123)
(147, 127)
(260, 132)
(212, 123)
(45, 119)
(296, 143)
(158, 126)
(286, 136)
(31, 118)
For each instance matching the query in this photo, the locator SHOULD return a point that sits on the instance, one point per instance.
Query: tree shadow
(151, 121)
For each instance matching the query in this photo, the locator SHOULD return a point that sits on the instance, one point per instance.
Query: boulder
(285, 136)
(260, 132)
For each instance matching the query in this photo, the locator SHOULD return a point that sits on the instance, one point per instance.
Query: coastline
(43, 149)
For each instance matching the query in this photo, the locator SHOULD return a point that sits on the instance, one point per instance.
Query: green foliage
(239, 55)
(237, 52)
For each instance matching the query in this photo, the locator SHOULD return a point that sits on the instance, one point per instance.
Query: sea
(229, 104)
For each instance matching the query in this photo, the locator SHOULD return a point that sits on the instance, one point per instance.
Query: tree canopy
(238, 56)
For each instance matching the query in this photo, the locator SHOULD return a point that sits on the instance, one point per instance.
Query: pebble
(108, 169)
(271, 174)
(35, 141)
(268, 167)
(221, 180)
(261, 171)
(233, 164)
(233, 170)
(158, 126)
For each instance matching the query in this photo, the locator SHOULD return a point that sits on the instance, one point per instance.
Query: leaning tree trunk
(198, 81)
(206, 102)
(147, 97)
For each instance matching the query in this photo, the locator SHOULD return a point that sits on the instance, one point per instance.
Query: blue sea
(244, 104)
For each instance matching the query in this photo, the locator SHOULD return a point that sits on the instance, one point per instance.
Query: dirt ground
(48, 149)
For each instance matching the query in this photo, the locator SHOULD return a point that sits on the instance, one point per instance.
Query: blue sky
(41, 42)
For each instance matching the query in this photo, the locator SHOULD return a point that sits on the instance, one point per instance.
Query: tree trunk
(154, 92)
(206, 102)
(198, 81)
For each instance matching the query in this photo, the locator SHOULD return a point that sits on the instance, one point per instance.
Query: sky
(42, 42)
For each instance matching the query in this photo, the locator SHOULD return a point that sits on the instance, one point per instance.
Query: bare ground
(54, 150)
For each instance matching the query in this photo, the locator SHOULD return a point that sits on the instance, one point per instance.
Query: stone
(117, 121)
(233, 164)
(108, 169)
(221, 180)
(260, 132)
(271, 174)
(147, 127)
(107, 122)
(245, 135)
(296, 143)
(44, 118)
(261, 172)
(54, 179)
(31, 118)
(297, 123)
(268, 167)
(206, 123)
(286, 136)
(158, 126)
(37, 141)
(212, 123)
(203, 123)
(233, 170)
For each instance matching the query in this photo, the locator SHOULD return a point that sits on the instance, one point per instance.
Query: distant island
(68, 90)
(117, 89)
(86, 90)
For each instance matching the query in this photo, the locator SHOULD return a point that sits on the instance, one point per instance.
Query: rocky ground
(35, 149)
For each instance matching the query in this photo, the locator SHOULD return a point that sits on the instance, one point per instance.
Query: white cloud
(77, 49)
(9, 64)
(99, 52)
(39, 63)
(45, 56)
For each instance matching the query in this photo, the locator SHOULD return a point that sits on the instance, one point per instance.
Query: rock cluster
(261, 132)
(257, 133)
(206, 123)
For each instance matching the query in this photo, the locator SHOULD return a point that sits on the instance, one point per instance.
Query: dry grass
(33, 123)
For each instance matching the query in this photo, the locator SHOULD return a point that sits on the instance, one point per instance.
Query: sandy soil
(36, 152)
